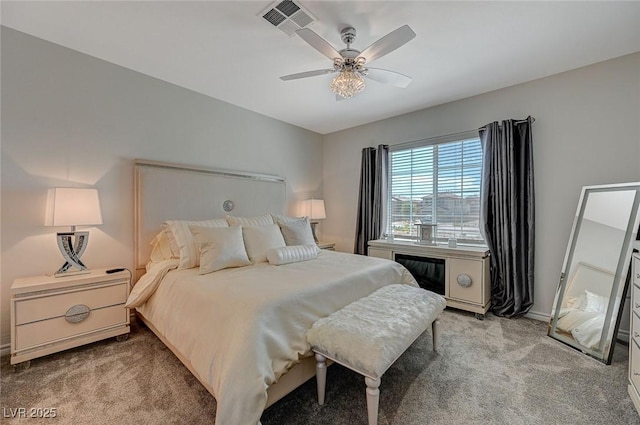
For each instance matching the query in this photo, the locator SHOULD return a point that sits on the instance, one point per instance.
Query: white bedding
(242, 328)
(587, 325)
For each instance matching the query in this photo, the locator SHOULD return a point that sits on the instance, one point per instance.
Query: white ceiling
(225, 50)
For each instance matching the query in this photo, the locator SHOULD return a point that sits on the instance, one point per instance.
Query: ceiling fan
(350, 63)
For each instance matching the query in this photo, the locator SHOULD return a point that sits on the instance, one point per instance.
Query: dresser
(634, 342)
(462, 271)
(50, 314)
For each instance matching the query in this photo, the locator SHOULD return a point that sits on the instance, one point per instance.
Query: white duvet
(243, 328)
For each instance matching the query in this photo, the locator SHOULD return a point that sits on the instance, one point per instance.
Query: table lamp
(314, 209)
(72, 207)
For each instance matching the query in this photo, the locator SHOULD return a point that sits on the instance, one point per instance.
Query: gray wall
(587, 132)
(70, 119)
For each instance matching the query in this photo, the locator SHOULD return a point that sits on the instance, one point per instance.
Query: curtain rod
(446, 137)
(515, 122)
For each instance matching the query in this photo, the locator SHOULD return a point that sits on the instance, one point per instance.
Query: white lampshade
(73, 207)
(314, 209)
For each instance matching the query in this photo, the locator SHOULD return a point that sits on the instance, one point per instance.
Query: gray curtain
(372, 199)
(507, 213)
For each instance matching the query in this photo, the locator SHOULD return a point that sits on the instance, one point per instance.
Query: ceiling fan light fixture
(347, 84)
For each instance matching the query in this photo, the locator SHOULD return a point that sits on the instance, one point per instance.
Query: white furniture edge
(635, 278)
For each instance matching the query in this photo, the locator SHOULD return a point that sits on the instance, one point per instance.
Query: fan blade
(318, 43)
(306, 74)
(385, 76)
(388, 43)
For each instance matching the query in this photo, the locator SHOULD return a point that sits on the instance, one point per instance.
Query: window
(438, 183)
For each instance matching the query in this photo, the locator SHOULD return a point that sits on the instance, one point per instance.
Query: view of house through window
(436, 184)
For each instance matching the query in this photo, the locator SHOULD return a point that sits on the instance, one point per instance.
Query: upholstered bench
(368, 335)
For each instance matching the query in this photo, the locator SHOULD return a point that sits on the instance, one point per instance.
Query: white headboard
(165, 191)
(592, 278)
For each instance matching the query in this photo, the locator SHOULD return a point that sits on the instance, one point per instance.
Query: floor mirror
(595, 273)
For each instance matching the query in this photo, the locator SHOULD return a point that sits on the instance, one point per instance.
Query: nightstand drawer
(51, 330)
(56, 304)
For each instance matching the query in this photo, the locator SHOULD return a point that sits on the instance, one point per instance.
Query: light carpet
(496, 371)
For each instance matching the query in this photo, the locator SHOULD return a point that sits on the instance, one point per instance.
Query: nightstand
(327, 245)
(51, 314)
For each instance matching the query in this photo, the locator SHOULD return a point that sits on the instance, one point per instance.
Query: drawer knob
(636, 335)
(464, 280)
(77, 313)
(637, 305)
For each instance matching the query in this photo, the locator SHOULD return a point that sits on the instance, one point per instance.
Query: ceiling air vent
(288, 16)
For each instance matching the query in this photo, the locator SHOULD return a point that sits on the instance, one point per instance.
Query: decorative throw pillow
(220, 248)
(178, 231)
(259, 239)
(263, 220)
(297, 231)
(292, 254)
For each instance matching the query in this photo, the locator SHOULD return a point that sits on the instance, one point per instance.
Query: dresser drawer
(634, 365)
(56, 305)
(635, 306)
(635, 327)
(636, 270)
(51, 330)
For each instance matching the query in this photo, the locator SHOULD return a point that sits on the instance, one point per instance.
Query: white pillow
(220, 248)
(279, 218)
(596, 303)
(161, 249)
(260, 239)
(263, 220)
(178, 230)
(577, 303)
(292, 254)
(297, 231)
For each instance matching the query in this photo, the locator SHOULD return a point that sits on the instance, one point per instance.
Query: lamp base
(72, 246)
(313, 230)
(71, 273)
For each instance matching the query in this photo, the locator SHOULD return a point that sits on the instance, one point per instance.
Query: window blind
(437, 184)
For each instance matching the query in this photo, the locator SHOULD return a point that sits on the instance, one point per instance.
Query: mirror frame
(621, 279)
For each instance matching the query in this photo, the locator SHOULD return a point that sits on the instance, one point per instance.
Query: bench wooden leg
(321, 376)
(435, 330)
(373, 398)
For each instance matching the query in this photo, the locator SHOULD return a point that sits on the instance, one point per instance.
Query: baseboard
(623, 335)
(5, 349)
(543, 317)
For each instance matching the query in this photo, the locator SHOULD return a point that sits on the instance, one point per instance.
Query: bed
(240, 330)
